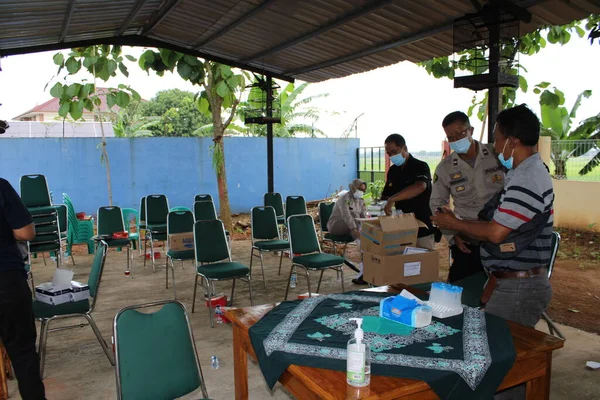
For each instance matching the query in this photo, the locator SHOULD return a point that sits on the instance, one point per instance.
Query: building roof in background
(311, 40)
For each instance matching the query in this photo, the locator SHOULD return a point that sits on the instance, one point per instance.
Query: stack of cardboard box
(388, 259)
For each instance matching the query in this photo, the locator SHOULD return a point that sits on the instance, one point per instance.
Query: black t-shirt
(399, 178)
(13, 215)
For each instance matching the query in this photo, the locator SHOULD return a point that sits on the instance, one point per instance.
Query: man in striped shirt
(517, 234)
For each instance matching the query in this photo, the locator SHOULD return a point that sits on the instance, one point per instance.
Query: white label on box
(412, 268)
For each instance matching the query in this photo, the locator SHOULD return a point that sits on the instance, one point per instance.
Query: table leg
(540, 388)
(3, 373)
(240, 365)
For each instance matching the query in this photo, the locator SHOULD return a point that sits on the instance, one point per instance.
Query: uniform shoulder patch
(435, 178)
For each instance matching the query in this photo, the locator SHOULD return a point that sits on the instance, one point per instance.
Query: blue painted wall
(179, 168)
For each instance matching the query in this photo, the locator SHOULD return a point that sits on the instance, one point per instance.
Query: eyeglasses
(458, 136)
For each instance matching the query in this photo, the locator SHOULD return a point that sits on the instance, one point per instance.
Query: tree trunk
(224, 208)
(560, 168)
(105, 159)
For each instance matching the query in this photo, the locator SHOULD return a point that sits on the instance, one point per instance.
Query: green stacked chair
(306, 252)
(265, 236)
(204, 210)
(180, 208)
(276, 201)
(63, 224)
(155, 353)
(110, 221)
(130, 215)
(157, 209)
(178, 222)
(36, 197)
(203, 197)
(47, 313)
(214, 263)
(79, 231)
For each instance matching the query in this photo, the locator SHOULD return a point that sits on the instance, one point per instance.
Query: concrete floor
(77, 368)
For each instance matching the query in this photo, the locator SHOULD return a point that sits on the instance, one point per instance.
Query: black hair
(521, 123)
(397, 139)
(455, 116)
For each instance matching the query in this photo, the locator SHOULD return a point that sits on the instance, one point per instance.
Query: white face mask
(359, 194)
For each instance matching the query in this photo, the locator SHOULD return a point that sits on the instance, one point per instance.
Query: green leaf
(523, 84)
(86, 90)
(89, 61)
(549, 99)
(146, 60)
(580, 32)
(123, 69)
(89, 105)
(543, 85)
(222, 89)
(136, 96)
(58, 59)
(130, 58)
(552, 119)
(184, 69)
(537, 91)
(64, 108)
(225, 70)
(165, 56)
(191, 60)
(112, 67)
(122, 99)
(203, 106)
(111, 100)
(57, 90)
(98, 102)
(76, 109)
(73, 65)
(73, 90)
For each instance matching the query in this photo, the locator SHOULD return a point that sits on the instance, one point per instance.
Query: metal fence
(371, 162)
(575, 160)
(55, 129)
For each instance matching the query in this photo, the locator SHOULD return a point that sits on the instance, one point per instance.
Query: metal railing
(575, 160)
(371, 162)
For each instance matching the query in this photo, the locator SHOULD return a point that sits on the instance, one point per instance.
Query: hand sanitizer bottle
(358, 365)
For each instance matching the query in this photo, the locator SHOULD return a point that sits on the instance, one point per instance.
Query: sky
(401, 98)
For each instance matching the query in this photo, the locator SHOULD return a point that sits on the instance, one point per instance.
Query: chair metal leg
(44, 258)
(288, 282)
(232, 292)
(129, 260)
(552, 327)
(209, 293)
(194, 297)
(250, 290)
(342, 273)
(100, 338)
(262, 268)
(42, 344)
(72, 259)
(152, 254)
(167, 272)
(251, 259)
(308, 283)
(320, 278)
(280, 261)
(145, 249)
(173, 276)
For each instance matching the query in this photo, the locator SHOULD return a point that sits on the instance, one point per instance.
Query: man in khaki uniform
(471, 175)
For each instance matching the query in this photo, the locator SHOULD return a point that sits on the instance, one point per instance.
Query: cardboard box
(79, 291)
(409, 269)
(181, 241)
(46, 293)
(389, 235)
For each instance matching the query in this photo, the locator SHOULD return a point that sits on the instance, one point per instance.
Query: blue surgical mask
(508, 164)
(398, 159)
(461, 146)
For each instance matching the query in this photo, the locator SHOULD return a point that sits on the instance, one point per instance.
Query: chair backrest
(110, 220)
(130, 215)
(325, 211)
(203, 197)
(554, 252)
(96, 272)
(155, 353)
(210, 242)
(143, 209)
(302, 234)
(157, 208)
(274, 200)
(294, 205)
(63, 217)
(72, 226)
(204, 211)
(180, 222)
(34, 191)
(180, 208)
(263, 223)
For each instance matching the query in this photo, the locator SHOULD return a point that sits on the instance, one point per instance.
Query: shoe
(359, 281)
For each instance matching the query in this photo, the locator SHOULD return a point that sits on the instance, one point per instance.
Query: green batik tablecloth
(462, 357)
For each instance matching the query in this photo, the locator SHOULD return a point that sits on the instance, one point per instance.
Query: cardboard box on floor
(181, 241)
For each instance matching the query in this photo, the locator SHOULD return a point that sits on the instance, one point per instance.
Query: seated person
(347, 209)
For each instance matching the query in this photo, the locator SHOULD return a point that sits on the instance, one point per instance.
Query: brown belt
(495, 275)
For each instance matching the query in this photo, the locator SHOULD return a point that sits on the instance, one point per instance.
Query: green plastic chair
(276, 201)
(35, 193)
(306, 252)
(157, 209)
(131, 215)
(47, 238)
(203, 197)
(325, 211)
(210, 246)
(180, 208)
(178, 222)
(79, 231)
(110, 220)
(155, 353)
(47, 313)
(265, 236)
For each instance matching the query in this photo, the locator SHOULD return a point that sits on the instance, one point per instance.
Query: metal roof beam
(234, 24)
(67, 20)
(359, 12)
(159, 15)
(141, 41)
(134, 12)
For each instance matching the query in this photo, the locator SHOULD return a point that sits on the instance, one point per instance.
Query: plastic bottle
(358, 364)
(219, 314)
(214, 362)
(293, 280)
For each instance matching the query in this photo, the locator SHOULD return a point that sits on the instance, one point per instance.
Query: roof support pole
(270, 169)
(494, 93)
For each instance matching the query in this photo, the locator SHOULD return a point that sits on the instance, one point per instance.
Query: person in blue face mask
(470, 176)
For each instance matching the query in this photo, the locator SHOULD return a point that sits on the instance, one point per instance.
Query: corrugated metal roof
(312, 40)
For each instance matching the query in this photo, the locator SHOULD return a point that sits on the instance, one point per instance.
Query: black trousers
(17, 330)
(464, 264)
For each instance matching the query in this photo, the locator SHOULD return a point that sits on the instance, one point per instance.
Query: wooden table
(3, 372)
(532, 366)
